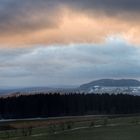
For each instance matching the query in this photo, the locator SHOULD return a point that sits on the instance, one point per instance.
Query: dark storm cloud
(117, 5)
(26, 15)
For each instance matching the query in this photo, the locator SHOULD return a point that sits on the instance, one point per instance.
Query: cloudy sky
(67, 42)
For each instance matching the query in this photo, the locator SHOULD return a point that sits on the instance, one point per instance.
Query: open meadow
(73, 128)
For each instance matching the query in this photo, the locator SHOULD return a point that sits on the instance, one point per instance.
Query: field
(73, 128)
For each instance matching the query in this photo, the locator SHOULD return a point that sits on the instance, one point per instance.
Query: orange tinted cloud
(77, 27)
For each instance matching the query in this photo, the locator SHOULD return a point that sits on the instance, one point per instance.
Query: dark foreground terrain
(73, 128)
(76, 125)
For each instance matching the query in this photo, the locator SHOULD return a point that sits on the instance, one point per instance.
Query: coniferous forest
(54, 105)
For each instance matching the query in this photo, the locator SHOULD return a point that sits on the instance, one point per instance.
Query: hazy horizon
(61, 85)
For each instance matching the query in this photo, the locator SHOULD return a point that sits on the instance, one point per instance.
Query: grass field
(82, 128)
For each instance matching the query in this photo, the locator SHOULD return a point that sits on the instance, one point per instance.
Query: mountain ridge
(112, 83)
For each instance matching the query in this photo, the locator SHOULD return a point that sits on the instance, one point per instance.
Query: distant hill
(112, 83)
(99, 86)
(36, 90)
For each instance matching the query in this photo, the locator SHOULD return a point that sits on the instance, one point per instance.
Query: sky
(67, 42)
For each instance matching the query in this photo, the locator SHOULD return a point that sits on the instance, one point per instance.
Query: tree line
(54, 105)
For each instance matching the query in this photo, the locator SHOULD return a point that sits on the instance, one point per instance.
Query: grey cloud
(27, 15)
(73, 64)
